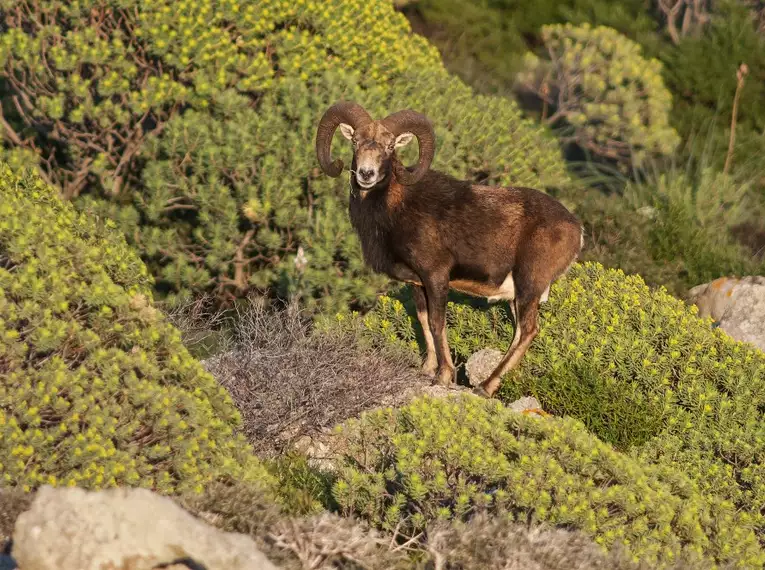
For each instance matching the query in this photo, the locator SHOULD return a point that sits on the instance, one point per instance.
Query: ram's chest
(375, 245)
(372, 225)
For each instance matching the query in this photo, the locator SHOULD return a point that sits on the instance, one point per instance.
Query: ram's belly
(493, 293)
(505, 291)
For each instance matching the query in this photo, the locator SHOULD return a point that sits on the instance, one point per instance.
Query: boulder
(481, 364)
(123, 529)
(736, 304)
(526, 404)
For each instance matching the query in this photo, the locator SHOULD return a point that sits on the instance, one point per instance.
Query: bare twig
(740, 79)
(239, 261)
(695, 15)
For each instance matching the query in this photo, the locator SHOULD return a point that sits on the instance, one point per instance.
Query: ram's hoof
(445, 377)
(429, 369)
(479, 391)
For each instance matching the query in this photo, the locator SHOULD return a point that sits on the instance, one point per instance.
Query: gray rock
(481, 364)
(525, 403)
(737, 305)
(123, 529)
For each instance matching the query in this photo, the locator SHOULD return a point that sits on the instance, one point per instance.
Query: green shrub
(613, 99)
(692, 218)
(96, 388)
(484, 41)
(618, 236)
(674, 227)
(438, 459)
(635, 365)
(193, 127)
(331, 541)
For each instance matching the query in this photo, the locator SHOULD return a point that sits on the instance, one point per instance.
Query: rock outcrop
(123, 529)
(737, 305)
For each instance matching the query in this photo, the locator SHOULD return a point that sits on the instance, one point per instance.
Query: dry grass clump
(497, 543)
(327, 541)
(13, 502)
(288, 381)
(323, 541)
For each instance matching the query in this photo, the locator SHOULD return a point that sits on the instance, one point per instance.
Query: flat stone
(524, 404)
(123, 529)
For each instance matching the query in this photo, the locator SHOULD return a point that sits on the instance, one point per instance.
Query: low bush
(484, 41)
(96, 387)
(436, 460)
(599, 85)
(700, 252)
(636, 366)
(676, 228)
(618, 237)
(326, 540)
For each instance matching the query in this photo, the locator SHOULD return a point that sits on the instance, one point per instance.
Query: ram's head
(375, 143)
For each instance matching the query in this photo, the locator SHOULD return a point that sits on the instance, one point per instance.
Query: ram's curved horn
(408, 121)
(341, 112)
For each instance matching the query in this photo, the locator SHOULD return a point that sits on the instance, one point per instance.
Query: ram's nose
(366, 174)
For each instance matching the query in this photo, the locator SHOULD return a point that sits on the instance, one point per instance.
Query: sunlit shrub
(599, 83)
(96, 388)
(443, 459)
(635, 365)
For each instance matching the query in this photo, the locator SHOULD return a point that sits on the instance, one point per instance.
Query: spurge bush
(96, 388)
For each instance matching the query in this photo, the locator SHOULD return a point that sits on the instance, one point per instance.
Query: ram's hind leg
(526, 316)
(430, 364)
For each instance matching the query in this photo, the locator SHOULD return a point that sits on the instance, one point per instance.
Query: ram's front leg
(437, 290)
(430, 365)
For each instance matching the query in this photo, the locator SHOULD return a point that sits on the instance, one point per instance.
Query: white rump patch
(506, 291)
(545, 295)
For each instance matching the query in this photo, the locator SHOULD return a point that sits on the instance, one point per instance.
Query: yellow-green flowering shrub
(96, 388)
(192, 125)
(599, 83)
(637, 366)
(440, 459)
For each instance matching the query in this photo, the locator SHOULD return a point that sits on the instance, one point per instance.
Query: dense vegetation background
(159, 156)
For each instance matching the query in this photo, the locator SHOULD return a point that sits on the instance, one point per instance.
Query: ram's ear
(347, 130)
(403, 139)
